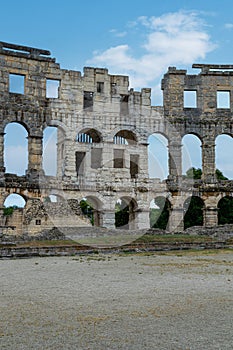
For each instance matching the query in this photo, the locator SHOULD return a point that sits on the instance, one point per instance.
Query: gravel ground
(100, 302)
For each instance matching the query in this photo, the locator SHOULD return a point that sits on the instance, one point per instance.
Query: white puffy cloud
(178, 38)
(228, 25)
(117, 33)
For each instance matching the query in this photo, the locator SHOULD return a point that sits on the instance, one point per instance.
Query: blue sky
(139, 38)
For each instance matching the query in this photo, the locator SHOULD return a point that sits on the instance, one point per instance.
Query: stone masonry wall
(103, 129)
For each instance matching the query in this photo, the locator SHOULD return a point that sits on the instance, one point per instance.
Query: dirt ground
(105, 302)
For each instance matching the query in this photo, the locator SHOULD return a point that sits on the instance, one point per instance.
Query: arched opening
(14, 200)
(88, 136)
(91, 208)
(50, 141)
(224, 149)
(191, 153)
(125, 137)
(125, 209)
(15, 149)
(12, 216)
(225, 210)
(53, 198)
(159, 212)
(158, 156)
(193, 210)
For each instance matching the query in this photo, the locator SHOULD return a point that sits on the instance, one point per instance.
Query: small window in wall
(134, 160)
(124, 110)
(88, 100)
(100, 87)
(113, 88)
(223, 99)
(190, 99)
(80, 163)
(118, 158)
(96, 158)
(38, 222)
(52, 88)
(16, 83)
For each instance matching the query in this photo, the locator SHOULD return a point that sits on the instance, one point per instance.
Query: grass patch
(175, 238)
(132, 239)
(47, 243)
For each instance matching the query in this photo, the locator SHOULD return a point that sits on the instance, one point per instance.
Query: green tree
(121, 214)
(8, 210)
(225, 212)
(87, 210)
(195, 173)
(193, 212)
(220, 175)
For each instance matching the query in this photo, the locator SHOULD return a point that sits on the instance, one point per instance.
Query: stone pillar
(34, 154)
(143, 171)
(210, 216)
(176, 219)
(208, 160)
(142, 219)
(87, 167)
(175, 158)
(107, 155)
(108, 218)
(126, 161)
(2, 168)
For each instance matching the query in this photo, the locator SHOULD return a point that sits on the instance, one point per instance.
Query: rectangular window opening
(190, 99)
(96, 158)
(80, 162)
(38, 222)
(223, 99)
(88, 100)
(118, 158)
(124, 109)
(16, 83)
(100, 87)
(52, 88)
(134, 160)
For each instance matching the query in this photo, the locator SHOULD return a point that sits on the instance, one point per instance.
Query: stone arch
(125, 137)
(223, 154)
(158, 155)
(160, 208)
(193, 211)
(225, 210)
(136, 136)
(60, 125)
(54, 198)
(93, 209)
(125, 214)
(13, 121)
(89, 135)
(15, 199)
(13, 213)
(191, 152)
(16, 145)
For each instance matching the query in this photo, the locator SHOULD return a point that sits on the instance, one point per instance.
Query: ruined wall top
(207, 95)
(25, 51)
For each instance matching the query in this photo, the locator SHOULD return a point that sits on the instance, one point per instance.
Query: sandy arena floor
(105, 302)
